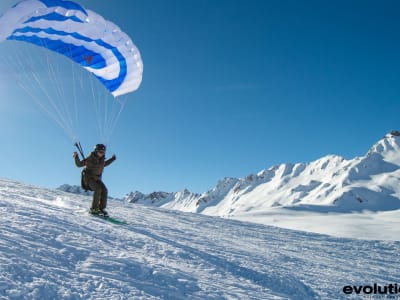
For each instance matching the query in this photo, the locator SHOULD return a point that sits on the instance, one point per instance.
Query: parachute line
(76, 66)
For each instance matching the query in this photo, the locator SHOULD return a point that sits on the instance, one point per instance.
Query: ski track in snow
(50, 248)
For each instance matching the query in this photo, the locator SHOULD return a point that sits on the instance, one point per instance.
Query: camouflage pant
(100, 193)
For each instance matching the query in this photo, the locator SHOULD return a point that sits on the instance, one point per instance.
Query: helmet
(100, 147)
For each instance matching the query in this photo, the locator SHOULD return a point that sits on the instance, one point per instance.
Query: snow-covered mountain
(331, 183)
(77, 190)
(50, 248)
(73, 189)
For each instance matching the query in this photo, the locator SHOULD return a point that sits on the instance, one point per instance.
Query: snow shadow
(285, 285)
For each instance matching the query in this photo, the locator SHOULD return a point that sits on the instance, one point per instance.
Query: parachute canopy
(82, 35)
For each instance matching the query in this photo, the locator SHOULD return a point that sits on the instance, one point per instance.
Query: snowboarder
(91, 177)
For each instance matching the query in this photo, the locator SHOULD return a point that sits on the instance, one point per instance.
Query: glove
(113, 157)
(75, 154)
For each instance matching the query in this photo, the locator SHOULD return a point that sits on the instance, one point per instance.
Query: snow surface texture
(50, 248)
(326, 190)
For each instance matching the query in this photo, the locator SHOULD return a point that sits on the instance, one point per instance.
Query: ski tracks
(50, 248)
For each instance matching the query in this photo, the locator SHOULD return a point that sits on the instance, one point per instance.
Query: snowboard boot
(94, 211)
(103, 213)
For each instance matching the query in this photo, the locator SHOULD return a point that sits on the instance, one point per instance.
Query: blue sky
(229, 88)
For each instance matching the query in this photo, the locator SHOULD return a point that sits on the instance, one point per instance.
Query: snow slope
(51, 249)
(331, 184)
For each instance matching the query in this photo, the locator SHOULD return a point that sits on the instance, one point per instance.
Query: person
(93, 168)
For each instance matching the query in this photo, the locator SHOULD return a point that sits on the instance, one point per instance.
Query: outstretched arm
(79, 163)
(110, 160)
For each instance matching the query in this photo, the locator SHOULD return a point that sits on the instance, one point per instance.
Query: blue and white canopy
(80, 34)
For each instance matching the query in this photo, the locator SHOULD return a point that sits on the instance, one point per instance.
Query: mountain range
(329, 184)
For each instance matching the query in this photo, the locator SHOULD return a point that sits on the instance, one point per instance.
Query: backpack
(84, 184)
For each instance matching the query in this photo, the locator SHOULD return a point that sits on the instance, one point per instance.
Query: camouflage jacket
(93, 164)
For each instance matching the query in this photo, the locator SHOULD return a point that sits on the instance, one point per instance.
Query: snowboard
(110, 219)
